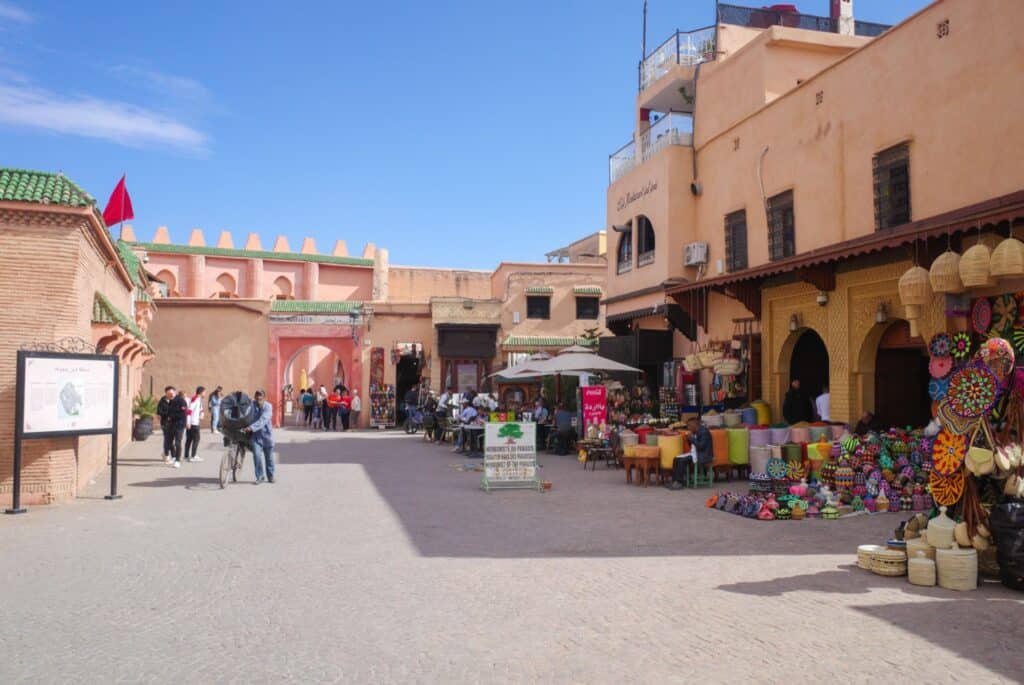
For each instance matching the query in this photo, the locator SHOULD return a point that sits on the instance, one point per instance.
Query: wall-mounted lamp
(822, 298)
(621, 228)
(881, 314)
(794, 323)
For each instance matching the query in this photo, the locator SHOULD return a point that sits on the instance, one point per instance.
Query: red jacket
(346, 402)
(334, 400)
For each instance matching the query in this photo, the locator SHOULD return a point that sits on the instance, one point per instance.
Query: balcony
(762, 18)
(671, 129)
(686, 49)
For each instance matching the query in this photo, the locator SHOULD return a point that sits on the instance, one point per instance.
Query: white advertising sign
(510, 455)
(68, 395)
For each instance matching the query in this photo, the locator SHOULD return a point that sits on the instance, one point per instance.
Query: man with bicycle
(261, 437)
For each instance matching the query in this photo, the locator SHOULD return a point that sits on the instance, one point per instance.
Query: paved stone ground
(372, 560)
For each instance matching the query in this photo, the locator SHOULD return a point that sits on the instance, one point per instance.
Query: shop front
(466, 353)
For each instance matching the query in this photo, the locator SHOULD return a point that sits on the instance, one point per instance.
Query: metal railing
(762, 18)
(688, 48)
(671, 129)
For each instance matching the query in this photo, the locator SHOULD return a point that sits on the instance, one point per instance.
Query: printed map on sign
(510, 455)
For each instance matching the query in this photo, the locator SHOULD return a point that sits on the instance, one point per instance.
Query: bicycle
(231, 463)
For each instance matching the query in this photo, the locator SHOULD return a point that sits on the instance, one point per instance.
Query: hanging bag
(981, 459)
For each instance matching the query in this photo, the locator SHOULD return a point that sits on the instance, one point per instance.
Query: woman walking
(215, 399)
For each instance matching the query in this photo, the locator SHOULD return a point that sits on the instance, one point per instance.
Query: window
(167, 284)
(587, 307)
(781, 232)
(283, 289)
(645, 241)
(624, 256)
(226, 285)
(891, 170)
(538, 307)
(736, 240)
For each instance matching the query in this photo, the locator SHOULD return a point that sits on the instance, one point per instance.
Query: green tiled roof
(262, 254)
(314, 307)
(22, 185)
(131, 262)
(540, 290)
(587, 290)
(544, 341)
(103, 311)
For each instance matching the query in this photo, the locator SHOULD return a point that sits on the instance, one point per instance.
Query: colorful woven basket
(981, 315)
(941, 345)
(973, 391)
(947, 491)
(940, 367)
(948, 453)
(1004, 316)
(961, 345)
(937, 388)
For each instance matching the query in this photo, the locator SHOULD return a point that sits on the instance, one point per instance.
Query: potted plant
(143, 409)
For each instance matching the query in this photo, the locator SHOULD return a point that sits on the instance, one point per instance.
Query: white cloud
(14, 13)
(118, 122)
(180, 87)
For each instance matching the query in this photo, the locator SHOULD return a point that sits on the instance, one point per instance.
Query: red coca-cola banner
(595, 405)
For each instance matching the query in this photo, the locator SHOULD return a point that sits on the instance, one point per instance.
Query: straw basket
(889, 562)
(915, 545)
(1007, 259)
(921, 570)
(975, 266)
(957, 568)
(864, 555)
(914, 286)
(913, 313)
(944, 275)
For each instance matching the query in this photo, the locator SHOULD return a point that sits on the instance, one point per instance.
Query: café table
(646, 468)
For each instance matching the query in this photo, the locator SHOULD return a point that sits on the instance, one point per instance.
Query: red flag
(119, 206)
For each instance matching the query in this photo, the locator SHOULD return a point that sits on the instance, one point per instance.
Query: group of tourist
(322, 410)
(182, 416)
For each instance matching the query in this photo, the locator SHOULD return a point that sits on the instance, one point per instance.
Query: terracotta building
(64, 281)
(277, 318)
(786, 169)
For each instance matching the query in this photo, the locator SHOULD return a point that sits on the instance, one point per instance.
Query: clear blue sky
(452, 133)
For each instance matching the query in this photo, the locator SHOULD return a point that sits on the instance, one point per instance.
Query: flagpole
(124, 191)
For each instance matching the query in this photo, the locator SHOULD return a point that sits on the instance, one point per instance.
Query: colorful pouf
(843, 476)
(792, 452)
(759, 456)
(819, 432)
(799, 434)
(720, 446)
(760, 437)
(739, 446)
(780, 435)
(749, 416)
(764, 412)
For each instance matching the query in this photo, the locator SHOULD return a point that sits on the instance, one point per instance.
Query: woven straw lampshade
(1007, 259)
(945, 274)
(975, 266)
(914, 286)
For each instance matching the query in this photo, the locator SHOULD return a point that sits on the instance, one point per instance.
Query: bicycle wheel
(225, 466)
(236, 463)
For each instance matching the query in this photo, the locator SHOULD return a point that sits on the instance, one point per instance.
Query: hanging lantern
(975, 266)
(915, 292)
(945, 273)
(1007, 259)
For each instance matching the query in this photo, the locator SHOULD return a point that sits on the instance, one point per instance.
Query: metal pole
(113, 435)
(19, 416)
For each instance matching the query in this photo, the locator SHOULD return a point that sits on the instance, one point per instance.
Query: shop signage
(510, 456)
(321, 320)
(595, 405)
(629, 198)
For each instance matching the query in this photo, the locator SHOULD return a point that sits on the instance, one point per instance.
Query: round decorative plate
(961, 345)
(948, 453)
(937, 388)
(941, 345)
(940, 367)
(973, 391)
(776, 468)
(1004, 316)
(947, 491)
(981, 315)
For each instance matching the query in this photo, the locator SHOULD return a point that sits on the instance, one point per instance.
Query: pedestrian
(172, 409)
(795, 406)
(565, 433)
(262, 437)
(444, 412)
(333, 407)
(321, 399)
(194, 425)
(357, 407)
(318, 417)
(215, 400)
(345, 407)
(308, 399)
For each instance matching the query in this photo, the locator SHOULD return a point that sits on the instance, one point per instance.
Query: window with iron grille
(891, 170)
(587, 307)
(624, 255)
(538, 307)
(644, 241)
(736, 240)
(781, 226)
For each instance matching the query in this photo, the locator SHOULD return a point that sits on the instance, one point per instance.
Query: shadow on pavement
(187, 482)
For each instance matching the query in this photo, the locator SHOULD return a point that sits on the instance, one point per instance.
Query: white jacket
(195, 410)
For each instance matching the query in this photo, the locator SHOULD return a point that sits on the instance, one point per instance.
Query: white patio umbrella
(576, 348)
(574, 361)
(513, 372)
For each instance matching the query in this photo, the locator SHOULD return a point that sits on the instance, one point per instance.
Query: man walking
(172, 410)
(345, 408)
(193, 421)
(357, 406)
(308, 400)
(262, 438)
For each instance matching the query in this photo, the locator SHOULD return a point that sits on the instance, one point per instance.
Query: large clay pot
(143, 428)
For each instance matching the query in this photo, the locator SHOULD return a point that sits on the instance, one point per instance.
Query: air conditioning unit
(695, 254)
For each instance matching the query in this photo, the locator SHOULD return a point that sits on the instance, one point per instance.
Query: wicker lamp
(945, 274)
(1007, 259)
(975, 266)
(915, 292)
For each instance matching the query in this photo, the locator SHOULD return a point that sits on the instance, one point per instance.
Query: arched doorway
(286, 344)
(809, 363)
(901, 378)
(319, 364)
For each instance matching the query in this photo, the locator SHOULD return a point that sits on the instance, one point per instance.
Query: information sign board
(510, 456)
(68, 394)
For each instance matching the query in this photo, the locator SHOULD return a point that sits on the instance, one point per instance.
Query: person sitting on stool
(565, 434)
(700, 453)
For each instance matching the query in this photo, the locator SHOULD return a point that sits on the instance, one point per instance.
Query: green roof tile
(104, 311)
(261, 254)
(587, 290)
(544, 341)
(22, 185)
(540, 290)
(314, 307)
(132, 263)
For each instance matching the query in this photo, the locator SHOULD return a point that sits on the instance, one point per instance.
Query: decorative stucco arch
(784, 357)
(288, 340)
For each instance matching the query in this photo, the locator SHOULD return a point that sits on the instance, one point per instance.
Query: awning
(587, 290)
(534, 341)
(540, 290)
(680, 320)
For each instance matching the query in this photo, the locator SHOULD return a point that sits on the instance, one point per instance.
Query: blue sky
(453, 133)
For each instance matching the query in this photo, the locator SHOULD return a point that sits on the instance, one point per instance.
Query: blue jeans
(259, 454)
(214, 417)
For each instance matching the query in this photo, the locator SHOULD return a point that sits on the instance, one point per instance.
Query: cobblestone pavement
(373, 560)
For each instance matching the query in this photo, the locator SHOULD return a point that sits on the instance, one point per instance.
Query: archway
(319, 363)
(805, 356)
(282, 288)
(287, 342)
(901, 378)
(226, 287)
(168, 283)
